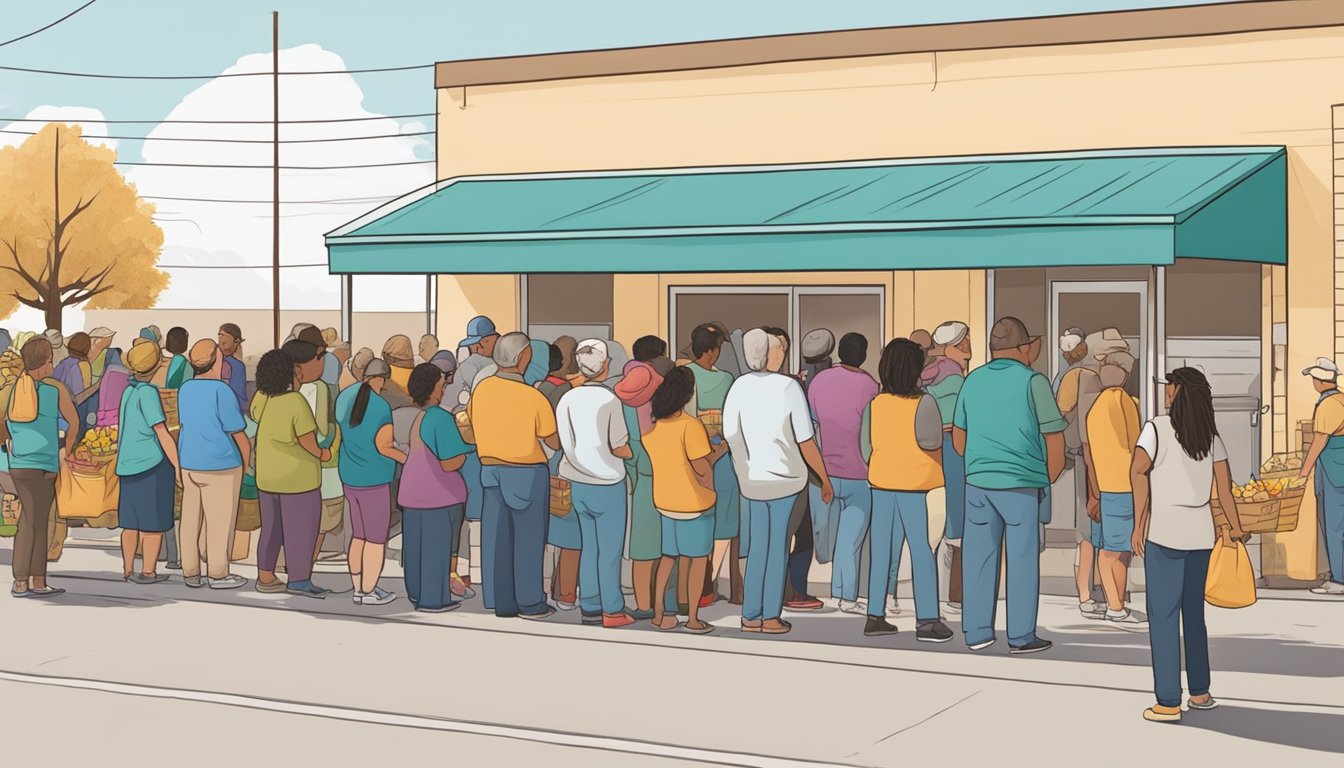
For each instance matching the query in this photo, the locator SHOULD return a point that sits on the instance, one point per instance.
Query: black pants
(800, 555)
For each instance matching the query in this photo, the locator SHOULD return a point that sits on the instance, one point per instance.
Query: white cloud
(223, 233)
(94, 132)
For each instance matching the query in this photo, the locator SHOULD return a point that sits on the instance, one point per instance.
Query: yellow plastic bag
(1231, 582)
(87, 492)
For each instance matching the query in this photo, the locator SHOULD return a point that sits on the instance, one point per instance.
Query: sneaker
(616, 620)
(933, 632)
(1160, 714)
(954, 607)
(460, 588)
(232, 581)
(804, 604)
(357, 598)
(641, 615)
(546, 613)
(895, 609)
(378, 596)
(47, 591)
(1206, 705)
(876, 626)
(1035, 646)
(854, 606)
(981, 645)
(271, 588)
(1092, 610)
(1329, 588)
(446, 607)
(307, 589)
(562, 605)
(592, 619)
(708, 600)
(1128, 617)
(196, 582)
(152, 578)
(174, 565)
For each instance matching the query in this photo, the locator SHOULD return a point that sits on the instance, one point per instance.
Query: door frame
(1146, 355)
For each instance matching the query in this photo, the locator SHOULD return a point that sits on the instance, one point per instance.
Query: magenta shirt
(838, 397)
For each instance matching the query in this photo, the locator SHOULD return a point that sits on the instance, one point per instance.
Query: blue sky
(206, 36)
(217, 252)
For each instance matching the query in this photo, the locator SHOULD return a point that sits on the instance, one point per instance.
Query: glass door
(1097, 306)
(841, 310)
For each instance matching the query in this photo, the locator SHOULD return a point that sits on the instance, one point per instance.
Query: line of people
(682, 467)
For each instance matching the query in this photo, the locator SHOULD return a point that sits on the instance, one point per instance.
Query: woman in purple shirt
(432, 495)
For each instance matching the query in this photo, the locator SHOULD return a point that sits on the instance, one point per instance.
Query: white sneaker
(1092, 610)
(857, 607)
(565, 606)
(895, 609)
(1129, 617)
(953, 607)
(378, 596)
(1329, 588)
(232, 581)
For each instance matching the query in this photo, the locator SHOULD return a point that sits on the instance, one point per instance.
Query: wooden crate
(562, 497)
(1277, 515)
(169, 399)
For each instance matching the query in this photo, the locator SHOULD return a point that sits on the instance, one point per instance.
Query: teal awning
(1108, 207)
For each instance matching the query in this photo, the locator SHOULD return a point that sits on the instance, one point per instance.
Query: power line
(49, 26)
(338, 201)
(240, 266)
(109, 76)
(242, 141)
(283, 167)
(214, 122)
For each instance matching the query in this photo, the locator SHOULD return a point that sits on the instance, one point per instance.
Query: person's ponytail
(361, 404)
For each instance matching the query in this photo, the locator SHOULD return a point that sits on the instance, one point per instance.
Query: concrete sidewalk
(823, 693)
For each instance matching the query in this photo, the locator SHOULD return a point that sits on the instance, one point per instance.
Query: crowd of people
(682, 466)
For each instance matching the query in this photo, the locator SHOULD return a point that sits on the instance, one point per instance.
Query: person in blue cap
(481, 337)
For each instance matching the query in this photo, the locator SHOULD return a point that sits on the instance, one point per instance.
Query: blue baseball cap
(478, 328)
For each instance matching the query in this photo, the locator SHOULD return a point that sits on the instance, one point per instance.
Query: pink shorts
(370, 512)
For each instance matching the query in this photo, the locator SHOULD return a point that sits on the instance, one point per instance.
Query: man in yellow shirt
(1326, 457)
(1112, 432)
(511, 420)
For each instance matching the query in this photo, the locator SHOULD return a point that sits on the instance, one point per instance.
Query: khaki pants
(209, 512)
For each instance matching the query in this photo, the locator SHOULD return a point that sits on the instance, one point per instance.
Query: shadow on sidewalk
(1304, 730)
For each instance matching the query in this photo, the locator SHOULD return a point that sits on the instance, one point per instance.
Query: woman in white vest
(1179, 457)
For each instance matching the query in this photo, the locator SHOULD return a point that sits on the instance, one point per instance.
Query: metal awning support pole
(348, 308)
(1157, 345)
(431, 304)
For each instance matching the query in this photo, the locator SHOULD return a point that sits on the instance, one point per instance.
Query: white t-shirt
(590, 422)
(1180, 488)
(765, 417)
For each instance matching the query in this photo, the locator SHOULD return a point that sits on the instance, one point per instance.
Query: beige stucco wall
(1254, 89)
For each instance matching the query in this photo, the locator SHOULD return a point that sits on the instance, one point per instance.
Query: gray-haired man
(511, 421)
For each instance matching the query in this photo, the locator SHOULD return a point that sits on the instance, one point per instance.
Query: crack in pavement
(949, 707)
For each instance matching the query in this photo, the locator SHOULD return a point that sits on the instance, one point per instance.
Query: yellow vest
(898, 463)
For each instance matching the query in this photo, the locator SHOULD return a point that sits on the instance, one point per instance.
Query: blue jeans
(1175, 597)
(427, 549)
(471, 475)
(1330, 506)
(767, 560)
(601, 510)
(898, 517)
(515, 518)
(996, 519)
(954, 483)
(843, 525)
(727, 500)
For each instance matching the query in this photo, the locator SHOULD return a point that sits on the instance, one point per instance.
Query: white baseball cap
(591, 355)
(1324, 370)
(950, 333)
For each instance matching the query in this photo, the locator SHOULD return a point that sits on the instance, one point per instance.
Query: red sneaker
(804, 604)
(707, 600)
(617, 620)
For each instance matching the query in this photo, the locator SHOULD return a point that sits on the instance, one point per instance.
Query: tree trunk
(53, 315)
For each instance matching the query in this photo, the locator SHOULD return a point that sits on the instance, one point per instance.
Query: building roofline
(1101, 27)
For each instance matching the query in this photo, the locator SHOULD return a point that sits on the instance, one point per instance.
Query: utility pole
(275, 174)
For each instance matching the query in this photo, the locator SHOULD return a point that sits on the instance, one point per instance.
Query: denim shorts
(688, 538)
(1117, 522)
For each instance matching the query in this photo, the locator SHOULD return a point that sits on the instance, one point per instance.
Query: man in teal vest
(1011, 433)
(1326, 456)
